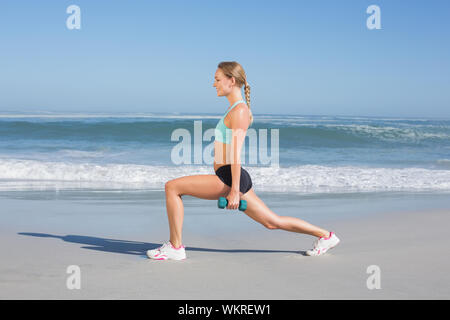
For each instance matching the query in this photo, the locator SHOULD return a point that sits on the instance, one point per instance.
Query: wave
(18, 174)
(292, 133)
(445, 163)
(358, 135)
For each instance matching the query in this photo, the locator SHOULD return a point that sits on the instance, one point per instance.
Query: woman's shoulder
(240, 112)
(241, 106)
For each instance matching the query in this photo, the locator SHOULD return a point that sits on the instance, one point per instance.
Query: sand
(228, 256)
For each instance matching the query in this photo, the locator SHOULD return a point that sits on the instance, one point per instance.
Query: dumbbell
(223, 203)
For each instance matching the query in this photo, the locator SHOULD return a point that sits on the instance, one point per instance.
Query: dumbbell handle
(223, 203)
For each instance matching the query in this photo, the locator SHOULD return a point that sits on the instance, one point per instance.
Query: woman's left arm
(240, 120)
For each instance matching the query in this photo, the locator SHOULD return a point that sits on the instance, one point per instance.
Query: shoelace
(316, 244)
(166, 245)
(160, 249)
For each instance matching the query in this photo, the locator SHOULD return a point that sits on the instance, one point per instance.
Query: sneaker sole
(165, 258)
(317, 255)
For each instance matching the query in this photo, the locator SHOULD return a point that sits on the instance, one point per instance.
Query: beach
(82, 200)
(229, 256)
(339, 114)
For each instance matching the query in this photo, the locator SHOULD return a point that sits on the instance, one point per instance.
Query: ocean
(321, 156)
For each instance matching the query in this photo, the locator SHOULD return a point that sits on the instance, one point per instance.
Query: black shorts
(224, 174)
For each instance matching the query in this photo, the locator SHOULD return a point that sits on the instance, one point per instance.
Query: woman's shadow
(132, 247)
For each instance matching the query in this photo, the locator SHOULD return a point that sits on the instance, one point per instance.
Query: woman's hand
(233, 200)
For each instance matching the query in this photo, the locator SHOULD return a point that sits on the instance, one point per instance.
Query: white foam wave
(80, 153)
(444, 163)
(30, 174)
(389, 133)
(318, 179)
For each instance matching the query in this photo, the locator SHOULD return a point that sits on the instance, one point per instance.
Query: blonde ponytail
(247, 98)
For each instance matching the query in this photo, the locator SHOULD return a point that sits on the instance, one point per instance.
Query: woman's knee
(271, 225)
(170, 186)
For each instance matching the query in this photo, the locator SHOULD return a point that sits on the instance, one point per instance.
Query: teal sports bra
(222, 132)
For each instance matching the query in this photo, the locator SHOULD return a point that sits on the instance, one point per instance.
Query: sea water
(131, 155)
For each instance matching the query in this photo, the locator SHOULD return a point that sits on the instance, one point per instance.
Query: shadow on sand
(133, 247)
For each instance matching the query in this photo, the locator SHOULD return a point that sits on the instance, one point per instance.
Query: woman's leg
(257, 210)
(208, 187)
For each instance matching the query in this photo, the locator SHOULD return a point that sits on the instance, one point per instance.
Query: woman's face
(223, 84)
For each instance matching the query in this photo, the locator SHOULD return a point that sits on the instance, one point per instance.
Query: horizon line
(90, 114)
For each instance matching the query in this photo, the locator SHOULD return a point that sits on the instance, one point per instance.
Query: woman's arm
(240, 120)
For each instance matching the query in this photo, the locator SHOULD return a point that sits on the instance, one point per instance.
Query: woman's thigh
(258, 211)
(204, 186)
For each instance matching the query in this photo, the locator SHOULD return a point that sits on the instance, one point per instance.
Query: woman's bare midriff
(218, 160)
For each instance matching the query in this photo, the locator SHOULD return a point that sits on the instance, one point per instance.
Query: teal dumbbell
(223, 203)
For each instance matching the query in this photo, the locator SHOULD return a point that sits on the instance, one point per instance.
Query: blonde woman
(231, 180)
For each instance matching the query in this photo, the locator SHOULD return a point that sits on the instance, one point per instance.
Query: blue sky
(301, 57)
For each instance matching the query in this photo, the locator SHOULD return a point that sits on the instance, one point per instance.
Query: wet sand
(229, 256)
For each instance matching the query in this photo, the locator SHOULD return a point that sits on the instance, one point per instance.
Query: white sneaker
(166, 252)
(322, 245)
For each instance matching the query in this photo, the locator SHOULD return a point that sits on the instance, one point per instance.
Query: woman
(231, 180)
